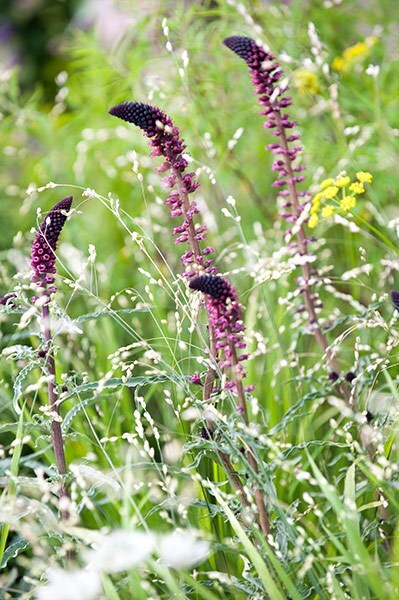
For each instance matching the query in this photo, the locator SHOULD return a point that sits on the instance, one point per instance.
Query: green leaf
(13, 550)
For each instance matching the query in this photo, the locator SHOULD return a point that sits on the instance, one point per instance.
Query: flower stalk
(43, 270)
(226, 319)
(266, 75)
(223, 312)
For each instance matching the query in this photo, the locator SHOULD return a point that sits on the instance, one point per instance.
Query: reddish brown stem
(56, 430)
(301, 237)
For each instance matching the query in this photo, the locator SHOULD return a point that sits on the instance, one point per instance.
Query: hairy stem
(56, 430)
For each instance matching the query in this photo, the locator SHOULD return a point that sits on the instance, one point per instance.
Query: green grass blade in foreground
(263, 571)
(11, 488)
(361, 562)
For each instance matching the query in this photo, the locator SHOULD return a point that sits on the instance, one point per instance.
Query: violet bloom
(166, 142)
(45, 245)
(225, 316)
(266, 73)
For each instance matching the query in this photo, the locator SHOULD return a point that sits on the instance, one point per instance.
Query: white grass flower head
(77, 584)
(121, 550)
(182, 549)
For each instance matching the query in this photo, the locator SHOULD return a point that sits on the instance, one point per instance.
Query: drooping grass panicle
(266, 75)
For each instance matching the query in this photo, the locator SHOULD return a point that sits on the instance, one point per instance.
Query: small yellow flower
(306, 82)
(313, 220)
(330, 192)
(348, 203)
(353, 55)
(326, 183)
(327, 211)
(314, 208)
(364, 177)
(342, 181)
(357, 188)
(338, 63)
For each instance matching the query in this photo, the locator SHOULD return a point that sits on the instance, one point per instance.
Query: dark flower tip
(8, 298)
(215, 286)
(149, 118)
(395, 298)
(240, 45)
(45, 244)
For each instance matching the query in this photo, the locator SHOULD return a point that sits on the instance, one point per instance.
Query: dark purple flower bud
(7, 299)
(333, 376)
(217, 287)
(45, 244)
(369, 416)
(395, 298)
(195, 379)
(350, 376)
(149, 118)
(206, 433)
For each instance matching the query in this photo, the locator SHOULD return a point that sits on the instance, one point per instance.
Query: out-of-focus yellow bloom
(364, 177)
(327, 211)
(357, 187)
(347, 203)
(313, 220)
(330, 192)
(353, 55)
(306, 82)
(342, 181)
(326, 183)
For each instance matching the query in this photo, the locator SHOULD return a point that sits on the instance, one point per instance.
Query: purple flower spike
(266, 73)
(225, 317)
(45, 245)
(166, 141)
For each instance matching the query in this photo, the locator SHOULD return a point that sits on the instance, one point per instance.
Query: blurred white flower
(182, 549)
(121, 550)
(373, 70)
(70, 585)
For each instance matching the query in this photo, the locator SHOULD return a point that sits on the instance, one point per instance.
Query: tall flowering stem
(266, 75)
(43, 270)
(165, 141)
(225, 315)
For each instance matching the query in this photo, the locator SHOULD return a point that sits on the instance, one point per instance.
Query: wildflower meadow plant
(43, 277)
(267, 78)
(224, 316)
(271, 469)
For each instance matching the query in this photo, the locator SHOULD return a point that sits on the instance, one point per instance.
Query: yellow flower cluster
(306, 82)
(333, 196)
(353, 55)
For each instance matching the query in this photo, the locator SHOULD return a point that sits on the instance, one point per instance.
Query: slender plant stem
(56, 430)
(259, 496)
(262, 517)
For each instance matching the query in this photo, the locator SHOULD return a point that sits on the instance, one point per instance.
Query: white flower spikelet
(78, 584)
(121, 550)
(182, 550)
